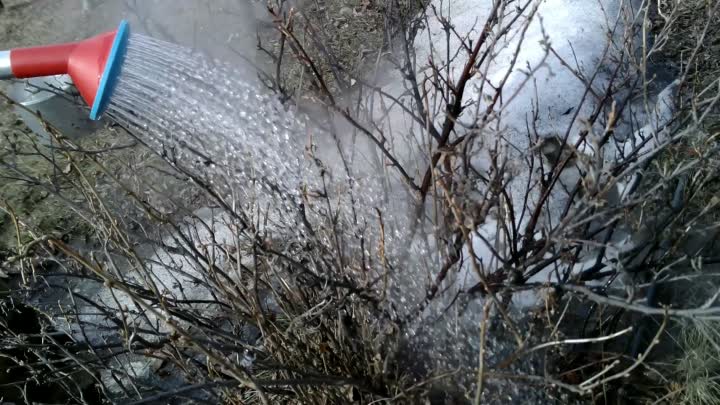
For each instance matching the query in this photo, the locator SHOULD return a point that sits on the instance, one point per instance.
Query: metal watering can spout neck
(93, 64)
(5, 66)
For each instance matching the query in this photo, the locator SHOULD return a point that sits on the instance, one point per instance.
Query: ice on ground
(536, 78)
(552, 63)
(173, 270)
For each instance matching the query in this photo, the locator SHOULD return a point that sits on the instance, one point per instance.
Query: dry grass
(698, 371)
(699, 367)
(685, 21)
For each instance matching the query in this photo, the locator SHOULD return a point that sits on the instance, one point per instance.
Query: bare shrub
(450, 251)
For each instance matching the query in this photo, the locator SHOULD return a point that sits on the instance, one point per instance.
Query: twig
(481, 355)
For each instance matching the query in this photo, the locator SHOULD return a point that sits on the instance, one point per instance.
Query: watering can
(51, 100)
(93, 64)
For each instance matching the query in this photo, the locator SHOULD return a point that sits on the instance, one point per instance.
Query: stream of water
(206, 119)
(199, 113)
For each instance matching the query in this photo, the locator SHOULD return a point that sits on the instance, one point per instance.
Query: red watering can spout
(84, 61)
(93, 64)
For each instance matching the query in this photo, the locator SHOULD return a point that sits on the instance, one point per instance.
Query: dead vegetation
(242, 312)
(346, 39)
